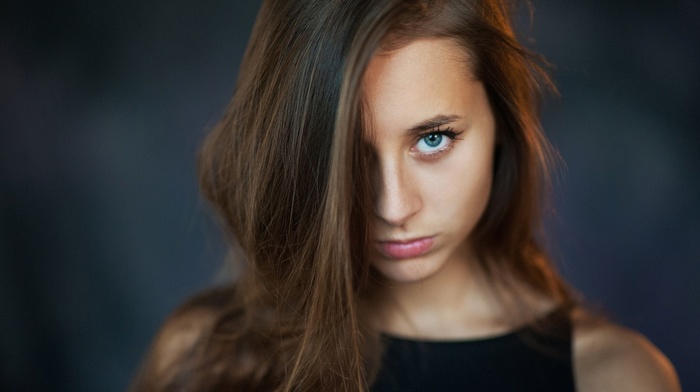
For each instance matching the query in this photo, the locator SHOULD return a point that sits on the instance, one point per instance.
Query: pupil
(433, 140)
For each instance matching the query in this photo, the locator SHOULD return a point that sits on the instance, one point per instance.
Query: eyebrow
(432, 123)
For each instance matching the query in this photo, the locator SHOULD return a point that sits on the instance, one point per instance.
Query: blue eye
(432, 142)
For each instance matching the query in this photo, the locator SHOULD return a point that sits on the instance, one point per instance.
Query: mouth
(405, 249)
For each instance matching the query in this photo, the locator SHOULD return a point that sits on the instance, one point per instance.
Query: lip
(406, 249)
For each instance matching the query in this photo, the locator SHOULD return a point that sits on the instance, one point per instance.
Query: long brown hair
(286, 169)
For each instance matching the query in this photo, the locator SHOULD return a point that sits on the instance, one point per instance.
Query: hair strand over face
(287, 171)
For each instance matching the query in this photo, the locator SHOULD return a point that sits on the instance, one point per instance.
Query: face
(433, 133)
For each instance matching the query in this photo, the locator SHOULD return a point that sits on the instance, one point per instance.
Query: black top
(529, 359)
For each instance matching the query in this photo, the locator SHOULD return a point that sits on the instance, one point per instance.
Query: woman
(379, 169)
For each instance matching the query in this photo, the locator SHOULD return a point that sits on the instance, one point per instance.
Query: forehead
(417, 81)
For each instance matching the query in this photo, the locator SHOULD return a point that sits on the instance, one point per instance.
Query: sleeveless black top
(528, 359)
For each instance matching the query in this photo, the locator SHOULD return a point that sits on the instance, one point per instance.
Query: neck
(456, 302)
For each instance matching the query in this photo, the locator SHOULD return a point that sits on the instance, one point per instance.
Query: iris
(433, 139)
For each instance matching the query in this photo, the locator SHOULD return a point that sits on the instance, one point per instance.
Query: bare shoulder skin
(608, 357)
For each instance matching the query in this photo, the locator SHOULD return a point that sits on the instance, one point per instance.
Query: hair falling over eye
(299, 211)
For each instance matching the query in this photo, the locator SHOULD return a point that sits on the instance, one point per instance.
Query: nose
(397, 198)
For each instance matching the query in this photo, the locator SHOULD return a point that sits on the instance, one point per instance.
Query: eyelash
(449, 133)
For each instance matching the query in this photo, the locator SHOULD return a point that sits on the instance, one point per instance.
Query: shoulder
(608, 357)
(181, 333)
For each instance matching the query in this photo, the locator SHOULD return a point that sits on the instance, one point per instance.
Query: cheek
(457, 189)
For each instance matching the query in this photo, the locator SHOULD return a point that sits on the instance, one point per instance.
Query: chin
(408, 271)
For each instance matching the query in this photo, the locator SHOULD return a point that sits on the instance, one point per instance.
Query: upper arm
(611, 358)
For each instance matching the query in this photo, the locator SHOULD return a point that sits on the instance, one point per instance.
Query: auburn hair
(287, 171)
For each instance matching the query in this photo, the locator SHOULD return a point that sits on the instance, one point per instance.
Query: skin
(438, 189)
(430, 192)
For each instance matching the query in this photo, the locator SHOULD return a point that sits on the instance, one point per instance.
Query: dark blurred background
(102, 230)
